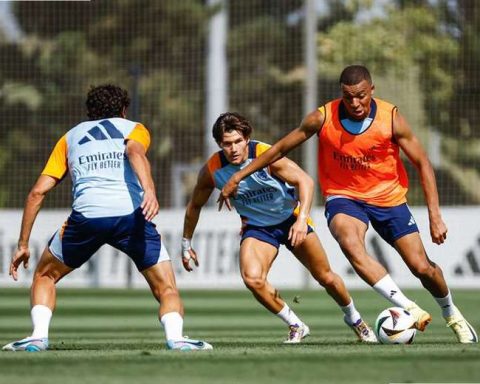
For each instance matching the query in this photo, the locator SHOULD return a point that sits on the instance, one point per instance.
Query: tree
(70, 46)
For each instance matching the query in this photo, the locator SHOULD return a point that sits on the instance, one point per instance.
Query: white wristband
(186, 246)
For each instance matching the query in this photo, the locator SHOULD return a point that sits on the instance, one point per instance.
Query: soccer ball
(395, 326)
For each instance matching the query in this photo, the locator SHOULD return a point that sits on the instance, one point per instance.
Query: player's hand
(22, 255)
(150, 206)
(438, 230)
(229, 190)
(298, 231)
(188, 254)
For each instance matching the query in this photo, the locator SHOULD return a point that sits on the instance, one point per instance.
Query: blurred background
(186, 61)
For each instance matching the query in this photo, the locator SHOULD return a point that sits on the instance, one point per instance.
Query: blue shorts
(391, 223)
(274, 234)
(81, 237)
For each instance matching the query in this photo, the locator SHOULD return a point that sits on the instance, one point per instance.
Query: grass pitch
(113, 336)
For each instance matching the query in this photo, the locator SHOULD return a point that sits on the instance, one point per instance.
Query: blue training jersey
(262, 199)
(93, 152)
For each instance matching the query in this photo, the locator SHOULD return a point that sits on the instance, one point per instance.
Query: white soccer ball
(395, 326)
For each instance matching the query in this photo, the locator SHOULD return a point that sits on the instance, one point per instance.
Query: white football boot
(188, 345)
(297, 332)
(422, 318)
(29, 344)
(461, 327)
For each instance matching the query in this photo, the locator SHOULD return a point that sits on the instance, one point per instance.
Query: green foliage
(71, 46)
(432, 47)
(260, 68)
(464, 107)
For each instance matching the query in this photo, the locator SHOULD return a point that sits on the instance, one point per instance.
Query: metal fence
(186, 61)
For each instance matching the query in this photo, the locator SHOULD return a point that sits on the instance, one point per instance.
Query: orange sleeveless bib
(364, 166)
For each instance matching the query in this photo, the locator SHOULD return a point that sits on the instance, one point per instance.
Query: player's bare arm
(141, 166)
(291, 173)
(310, 125)
(33, 204)
(201, 193)
(417, 155)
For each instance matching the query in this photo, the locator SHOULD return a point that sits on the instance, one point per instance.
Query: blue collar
(356, 127)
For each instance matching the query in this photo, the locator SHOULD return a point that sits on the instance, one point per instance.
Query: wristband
(186, 247)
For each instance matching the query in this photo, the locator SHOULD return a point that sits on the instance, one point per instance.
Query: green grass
(113, 336)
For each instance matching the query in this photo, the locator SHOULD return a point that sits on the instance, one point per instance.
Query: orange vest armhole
(213, 164)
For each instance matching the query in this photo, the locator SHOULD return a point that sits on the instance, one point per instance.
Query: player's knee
(423, 270)
(161, 292)
(327, 279)
(351, 245)
(254, 282)
(44, 277)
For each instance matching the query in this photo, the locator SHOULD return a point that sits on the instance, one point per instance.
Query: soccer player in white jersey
(271, 216)
(114, 202)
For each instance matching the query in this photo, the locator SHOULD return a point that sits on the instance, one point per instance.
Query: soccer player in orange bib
(114, 202)
(364, 181)
(274, 204)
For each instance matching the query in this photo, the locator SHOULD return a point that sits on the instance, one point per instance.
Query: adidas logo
(470, 263)
(96, 133)
(411, 221)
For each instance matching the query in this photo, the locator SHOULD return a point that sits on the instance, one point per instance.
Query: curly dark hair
(107, 100)
(231, 121)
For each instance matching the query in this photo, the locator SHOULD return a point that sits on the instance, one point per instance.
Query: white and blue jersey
(93, 152)
(262, 199)
(106, 194)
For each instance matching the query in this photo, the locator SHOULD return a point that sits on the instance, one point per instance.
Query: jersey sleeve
(57, 164)
(141, 135)
(260, 148)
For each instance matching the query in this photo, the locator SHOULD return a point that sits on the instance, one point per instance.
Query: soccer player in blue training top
(114, 202)
(271, 216)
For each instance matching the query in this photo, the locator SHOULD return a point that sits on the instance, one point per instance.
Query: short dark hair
(228, 122)
(354, 74)
(107, 100)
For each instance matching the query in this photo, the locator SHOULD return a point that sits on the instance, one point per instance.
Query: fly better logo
(97, 134)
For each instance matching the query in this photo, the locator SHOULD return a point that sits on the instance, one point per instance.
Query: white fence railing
(217, 243)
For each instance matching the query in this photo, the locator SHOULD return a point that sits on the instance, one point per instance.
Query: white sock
(351, 313)
(388, 289)
(41, 316)
(446, 303)
(173, 325)
(288, 316)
